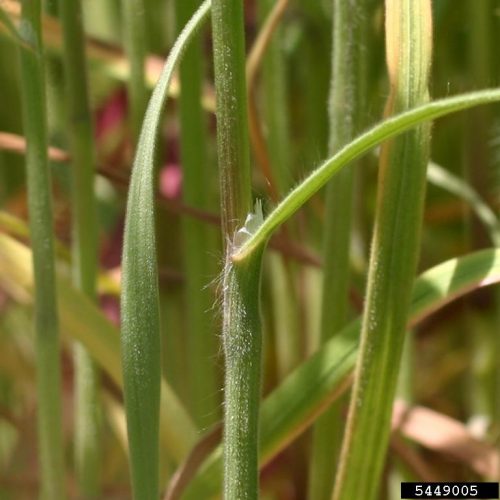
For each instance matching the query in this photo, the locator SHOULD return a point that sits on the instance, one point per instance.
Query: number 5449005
(464, 490)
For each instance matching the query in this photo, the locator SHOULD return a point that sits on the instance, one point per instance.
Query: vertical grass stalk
(241, 318)
(347, 88)
(395, 250)
(476, 173)
(54, 81)
(242, 349)
(40, 213)
(134, 35)
(156, 24)
(314, 50)
(200, 341)
(84, 245)
(275, 151)
(231, 112)
(271, 154)
(275, 100)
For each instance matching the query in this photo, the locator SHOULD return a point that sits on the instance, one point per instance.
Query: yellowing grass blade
(83, 321)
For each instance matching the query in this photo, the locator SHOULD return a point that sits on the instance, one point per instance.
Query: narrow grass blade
(51, 450)
(140, 309)
(387, 129)
(291, 408)
(444, 179)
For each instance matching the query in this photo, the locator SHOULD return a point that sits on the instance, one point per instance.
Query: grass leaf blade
(140, 308)
(389, 128)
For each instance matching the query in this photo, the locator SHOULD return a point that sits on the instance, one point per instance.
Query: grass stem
(232, 126)
(347, 90)
(241, 314)
(134, 33)
(40, 213)
(200, 338)
(242, 349)
(84, 245)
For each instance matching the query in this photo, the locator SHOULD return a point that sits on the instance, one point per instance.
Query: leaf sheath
(394, 256)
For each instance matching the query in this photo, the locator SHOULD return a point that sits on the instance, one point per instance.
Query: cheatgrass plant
(249, 265)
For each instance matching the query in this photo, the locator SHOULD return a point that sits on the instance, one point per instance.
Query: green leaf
(201, 343)
(348, 98)
(394, 255)
(80, 133)
(444, 179)
(391, 127)
(307, 392)
(140, 335)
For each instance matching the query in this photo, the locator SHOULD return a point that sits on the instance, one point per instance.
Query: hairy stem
(232, 127)
(241, 319)
(242, 349)
(291, 408)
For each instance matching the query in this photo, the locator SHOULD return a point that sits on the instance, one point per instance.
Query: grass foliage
(247, 320)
